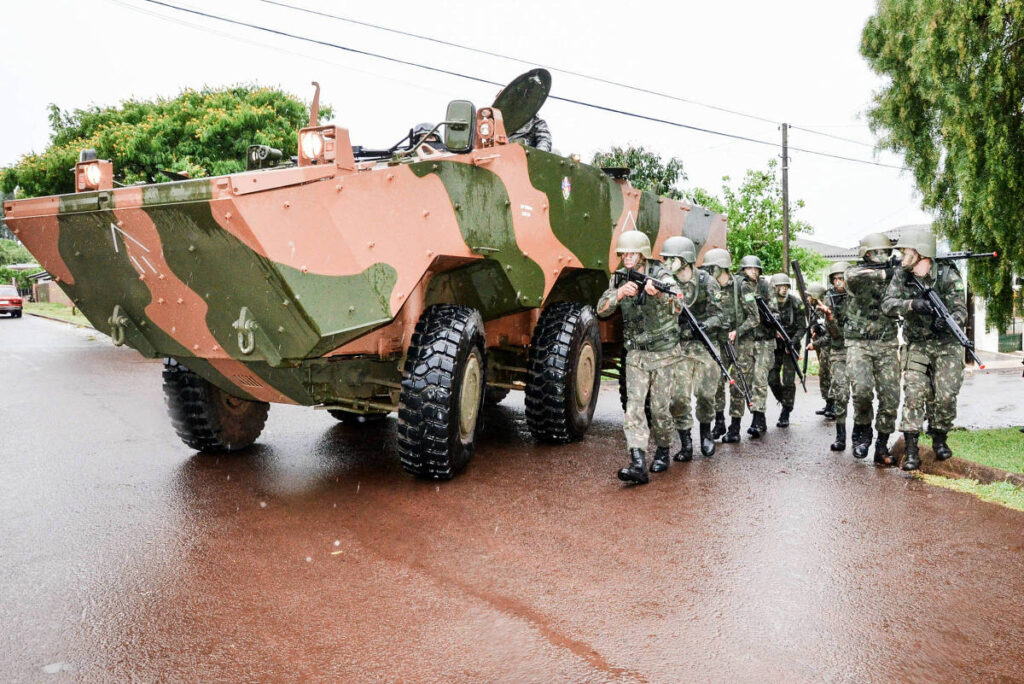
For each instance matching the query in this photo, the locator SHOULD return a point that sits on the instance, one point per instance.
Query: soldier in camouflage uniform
(872, 349)
(697, 373)
(834, 309)
(821, 346)
(651, 334)
(934, 363)
(756, 343)
(782, 375)
(717, 263)
(534, 133)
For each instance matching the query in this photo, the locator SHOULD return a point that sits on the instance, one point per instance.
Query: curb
(61, 320)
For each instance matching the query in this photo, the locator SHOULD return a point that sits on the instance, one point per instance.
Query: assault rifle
(799, 275)
(894, 261)
(940, 312)
(771, 320)
(623, 276)
(730, 351)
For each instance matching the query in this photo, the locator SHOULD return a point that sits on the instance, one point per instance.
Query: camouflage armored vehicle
(427, 278)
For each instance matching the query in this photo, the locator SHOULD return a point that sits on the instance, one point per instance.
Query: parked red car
(10, 301)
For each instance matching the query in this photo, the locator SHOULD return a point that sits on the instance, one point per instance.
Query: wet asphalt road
(126, 556)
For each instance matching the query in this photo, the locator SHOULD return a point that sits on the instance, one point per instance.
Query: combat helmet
(718, 257)
(816, 290)
(922, 241)
(679, 246)
(873, 241)
(634, 241)
(781, 279)
(751, 261)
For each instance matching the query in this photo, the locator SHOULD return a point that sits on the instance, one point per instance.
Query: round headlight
(312, 145)
(92, 174)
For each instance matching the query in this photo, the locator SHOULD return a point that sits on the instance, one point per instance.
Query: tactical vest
(651, 326)
(837, 302)
(789, 314)
(765, 291)
(919, 327)
(698, 303)
(864, 317)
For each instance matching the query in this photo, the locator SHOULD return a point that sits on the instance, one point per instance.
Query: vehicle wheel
(352, 418)
(564, 373)
(622, 390)
(206, 417)
(495, 395)
(442, 392)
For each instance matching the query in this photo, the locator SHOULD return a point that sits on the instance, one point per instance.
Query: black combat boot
(840, 443)
(685, 447)
(758, 426)
(882, 455)
(661, 460)
(732, 435)
(707, 440)
(913, 459)
(824, 409)
(636, 471)
(830, 410)
(942, 450)
(784, 417)
(719, 426)
(861, 440)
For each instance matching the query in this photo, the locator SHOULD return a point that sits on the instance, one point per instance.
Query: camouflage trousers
(839, 384)
(651, 373)
(824, 370)
(933, 372)
(755, 356)
(873, 367)
(782, 379)
(695, 376)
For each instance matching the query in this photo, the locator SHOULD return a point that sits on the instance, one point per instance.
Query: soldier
(782, 375)
(934, 363)
(872, 349)
(755, 344)
(834, 309)
(717, 263)
(651, 334)
(534, 133)
(821, 346)
(697, 373)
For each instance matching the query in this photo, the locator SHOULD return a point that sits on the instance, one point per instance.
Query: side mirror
(460, 125)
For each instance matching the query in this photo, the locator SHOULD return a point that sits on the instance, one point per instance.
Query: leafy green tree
(647, 171)
(754, 210)
(11, 252)
(952, 106)
(199, 133)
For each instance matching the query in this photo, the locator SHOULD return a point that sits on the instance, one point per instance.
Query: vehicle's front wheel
(442, 392)
(206, 417)
(564, 373)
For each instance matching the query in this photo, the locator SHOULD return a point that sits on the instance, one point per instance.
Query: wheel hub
(586, 371)
(469, 396)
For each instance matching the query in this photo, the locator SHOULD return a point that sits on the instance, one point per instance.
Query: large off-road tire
(442, 392)
(353, 418)
(564, 373)
(495, 395)
(207, 418)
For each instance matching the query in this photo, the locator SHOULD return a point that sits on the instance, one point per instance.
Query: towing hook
(246, 327)
(117, 321)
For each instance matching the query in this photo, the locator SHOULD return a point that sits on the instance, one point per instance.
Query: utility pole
(785, 197)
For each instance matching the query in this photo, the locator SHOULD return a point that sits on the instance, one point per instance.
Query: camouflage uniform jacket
(534, 133)
(739, 309)
(837, 302)
(651, 326)
(704, 298)
(946, 281)
(865, 320)
(791, 315)
(765, 291)
(819, 331)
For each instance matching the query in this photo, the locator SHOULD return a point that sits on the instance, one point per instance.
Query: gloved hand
(920, 305)
(939, 325)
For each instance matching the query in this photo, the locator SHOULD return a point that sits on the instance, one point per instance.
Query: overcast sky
(795, 61)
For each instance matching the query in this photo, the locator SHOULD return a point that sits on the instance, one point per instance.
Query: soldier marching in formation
(651, 334)
(853, 326)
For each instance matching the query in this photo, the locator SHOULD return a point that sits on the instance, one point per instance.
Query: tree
(952, 106)
(198, 133)
(647, 172)
(755, 220)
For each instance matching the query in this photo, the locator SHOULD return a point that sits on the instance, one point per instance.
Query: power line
(477, 79)
(832, 135)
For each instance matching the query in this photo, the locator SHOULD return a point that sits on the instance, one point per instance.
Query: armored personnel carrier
(425, 279)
